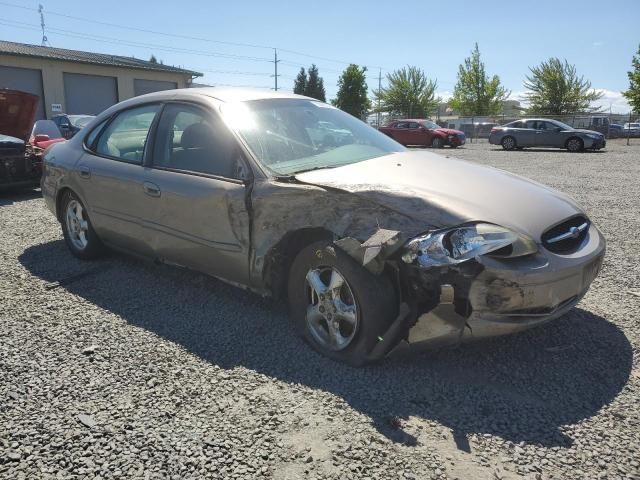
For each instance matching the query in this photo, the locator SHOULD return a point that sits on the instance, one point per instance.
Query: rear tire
(437, 142)
(348, 308)
(508, 143)
(77, 229)
(574, 144)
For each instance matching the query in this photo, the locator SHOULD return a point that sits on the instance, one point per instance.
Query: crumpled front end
(492, 296)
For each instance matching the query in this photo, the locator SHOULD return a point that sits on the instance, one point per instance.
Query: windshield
(289, 136)
(429, 124)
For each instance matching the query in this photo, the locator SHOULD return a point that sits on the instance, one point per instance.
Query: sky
(232, 43)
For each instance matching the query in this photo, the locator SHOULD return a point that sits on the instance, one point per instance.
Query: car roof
(224, 94)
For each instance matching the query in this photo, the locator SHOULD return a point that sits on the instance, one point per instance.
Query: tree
(475, 93)
(409, 93)
(352, 91)
(300, 84)
(153, 59)
(554, 88)
(315, 85)
(633, 94)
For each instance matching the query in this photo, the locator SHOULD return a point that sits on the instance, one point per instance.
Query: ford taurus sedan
(376, 248)
(539, 132)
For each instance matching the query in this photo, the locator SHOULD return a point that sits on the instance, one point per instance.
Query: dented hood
(17, 112)
(438, 191)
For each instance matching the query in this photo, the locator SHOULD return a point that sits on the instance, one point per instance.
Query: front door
(198, 176)
(547, 135)
(111, 178)
(401, 132)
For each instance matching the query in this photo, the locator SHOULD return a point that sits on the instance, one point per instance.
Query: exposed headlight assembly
(457, 245)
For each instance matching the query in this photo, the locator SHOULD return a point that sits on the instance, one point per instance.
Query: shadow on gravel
(522, 388)
(9, 197)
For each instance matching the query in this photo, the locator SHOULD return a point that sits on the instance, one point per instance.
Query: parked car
(45, 133)
(631, 129)
(326, 133)
(69, 125)
(423, 133)
(374, 246)
(20, 166)
(539, 132)
(616, 131)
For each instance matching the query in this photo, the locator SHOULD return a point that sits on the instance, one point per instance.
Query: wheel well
(571, 138)
(280, 257)
(59, 197)
(508, 136)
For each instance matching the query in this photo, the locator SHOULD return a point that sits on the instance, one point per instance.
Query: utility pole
(379, 119)
(275, 66)
(45, 40)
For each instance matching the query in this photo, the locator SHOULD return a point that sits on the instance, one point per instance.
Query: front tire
(336, 305)
(437, 143)
(508, 143)
(575, 144)
(77, 229)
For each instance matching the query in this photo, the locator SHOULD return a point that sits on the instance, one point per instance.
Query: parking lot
(126, 369)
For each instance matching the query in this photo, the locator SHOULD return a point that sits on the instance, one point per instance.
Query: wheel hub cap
(332, 314)
(77, 226)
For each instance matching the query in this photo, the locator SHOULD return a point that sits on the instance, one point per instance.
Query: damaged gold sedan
(376, 247)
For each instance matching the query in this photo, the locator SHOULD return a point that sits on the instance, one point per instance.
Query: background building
(77, 82)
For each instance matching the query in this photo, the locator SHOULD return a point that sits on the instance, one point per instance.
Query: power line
(143, 30)
(189, 37)
(105, 39)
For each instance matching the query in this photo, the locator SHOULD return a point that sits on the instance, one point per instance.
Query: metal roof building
(77, 82)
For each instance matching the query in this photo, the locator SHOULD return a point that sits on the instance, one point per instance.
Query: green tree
(475, 93)
(153, 59)
(300, 83)
(352, 91)
(315, 85)
(554, 88)
(408, 93)
(633, 94)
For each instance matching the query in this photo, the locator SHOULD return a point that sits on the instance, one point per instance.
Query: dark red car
(424, 133)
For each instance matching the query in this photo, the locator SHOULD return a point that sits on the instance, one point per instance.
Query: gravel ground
(131, 370)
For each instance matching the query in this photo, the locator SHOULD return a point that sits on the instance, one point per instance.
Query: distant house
(77, 82)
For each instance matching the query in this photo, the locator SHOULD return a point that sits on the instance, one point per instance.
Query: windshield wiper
(311, 169)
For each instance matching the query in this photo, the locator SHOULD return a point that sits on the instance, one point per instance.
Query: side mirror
(40, 138)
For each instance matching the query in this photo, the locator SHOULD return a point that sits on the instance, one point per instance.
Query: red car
(45, 133)
(424, 133)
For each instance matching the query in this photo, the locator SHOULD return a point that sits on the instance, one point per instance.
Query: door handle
(85, 172)
(151, 189)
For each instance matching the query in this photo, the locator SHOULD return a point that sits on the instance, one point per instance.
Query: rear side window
(126, 136)
(402, 125)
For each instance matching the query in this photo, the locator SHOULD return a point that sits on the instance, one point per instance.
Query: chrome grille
(567, 236)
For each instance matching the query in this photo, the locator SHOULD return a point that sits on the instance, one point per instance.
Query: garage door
(26, 80)
(140, 87)
(89, 94)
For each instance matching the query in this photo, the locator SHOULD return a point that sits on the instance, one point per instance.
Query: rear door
(526, 135)
(111, 178)
(198, 177)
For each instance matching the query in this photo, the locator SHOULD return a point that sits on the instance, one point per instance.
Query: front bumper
(512, 295)
(456, 140)
(17, 171)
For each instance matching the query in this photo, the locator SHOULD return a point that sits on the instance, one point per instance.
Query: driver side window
(191, 139)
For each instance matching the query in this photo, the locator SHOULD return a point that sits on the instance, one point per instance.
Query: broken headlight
(456, 245)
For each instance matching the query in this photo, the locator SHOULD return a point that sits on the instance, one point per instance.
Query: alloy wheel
(77, 225)
(332, 314)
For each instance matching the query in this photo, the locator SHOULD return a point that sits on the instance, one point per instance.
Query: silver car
(375, 247)
(540, 132)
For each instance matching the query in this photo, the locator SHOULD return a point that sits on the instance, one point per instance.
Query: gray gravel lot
(140, 371)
